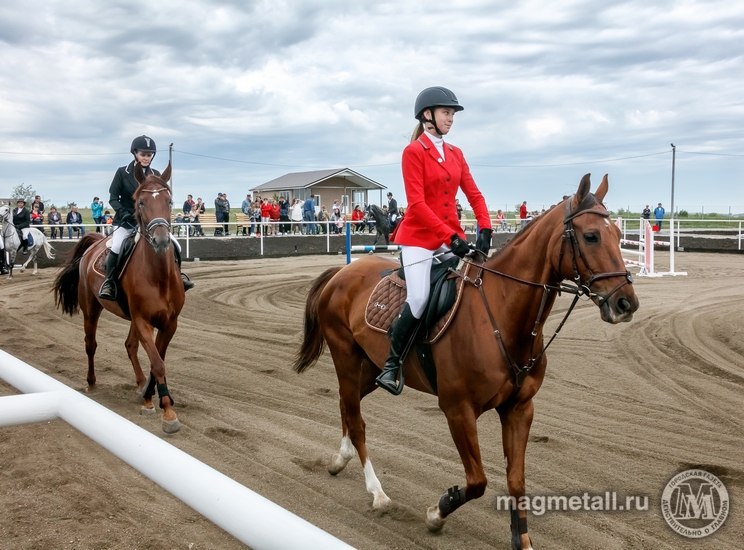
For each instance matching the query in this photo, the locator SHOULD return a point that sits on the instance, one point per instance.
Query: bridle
(155, 222)
(579, 288)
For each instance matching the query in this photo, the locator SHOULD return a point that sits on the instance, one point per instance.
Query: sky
(247, 91)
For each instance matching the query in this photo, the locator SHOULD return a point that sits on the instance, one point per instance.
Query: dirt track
(623, 408)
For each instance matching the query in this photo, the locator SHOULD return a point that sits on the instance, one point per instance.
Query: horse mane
(589, 201)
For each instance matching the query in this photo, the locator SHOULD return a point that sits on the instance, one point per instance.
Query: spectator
(325, 217)
(458, 207)
(646, 213)
(37, 202)
(178, 222)
(226, 214)
(96, 210)
(308, 215)
(220, 209)
(501, 220)
(296, 216)
(108, 222)
(523, 214)
(188, 206)
(75, 223)
(197, 210)
(659, 215)
(245, 208)
(256, 216)
(285, 227)
(265, 217)
(36, 218)
(54, 219)
(338, 221)
(357, 219)
(274, 215)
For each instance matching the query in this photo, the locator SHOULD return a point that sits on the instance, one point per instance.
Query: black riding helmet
(143, 143)
(436, 96)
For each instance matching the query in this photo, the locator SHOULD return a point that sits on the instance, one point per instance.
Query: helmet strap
(426, 120)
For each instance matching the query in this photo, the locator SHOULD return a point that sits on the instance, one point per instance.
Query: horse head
(383, 224)
(590, 254)
(5, 213)
(153, 200)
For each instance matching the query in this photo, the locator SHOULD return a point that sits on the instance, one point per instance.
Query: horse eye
(142, 203)
(591, 237)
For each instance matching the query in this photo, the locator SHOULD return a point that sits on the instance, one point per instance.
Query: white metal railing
(249, 517)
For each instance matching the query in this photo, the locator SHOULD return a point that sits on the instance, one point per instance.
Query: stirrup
(111, 294)
(387, 385)
(187, 283)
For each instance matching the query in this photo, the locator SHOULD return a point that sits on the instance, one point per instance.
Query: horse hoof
(337, 464)
(171, 426)
(381, 502)
(434, 520)
(146, 411)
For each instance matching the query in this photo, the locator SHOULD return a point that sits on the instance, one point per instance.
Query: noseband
(569, 236)
(155, 222)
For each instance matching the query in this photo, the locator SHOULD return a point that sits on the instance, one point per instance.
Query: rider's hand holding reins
(484, 241)
(458, 246)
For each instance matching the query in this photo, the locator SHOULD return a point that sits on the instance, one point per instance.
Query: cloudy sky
(250, 90)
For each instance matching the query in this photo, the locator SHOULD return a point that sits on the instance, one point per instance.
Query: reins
(155, 222)
(578, 289)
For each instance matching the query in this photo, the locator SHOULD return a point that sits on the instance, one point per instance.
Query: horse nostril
(623, 305)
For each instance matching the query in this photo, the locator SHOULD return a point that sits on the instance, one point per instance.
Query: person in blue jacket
(659, 215)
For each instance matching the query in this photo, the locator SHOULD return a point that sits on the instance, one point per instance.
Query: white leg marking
(373, 486)
(340, 459)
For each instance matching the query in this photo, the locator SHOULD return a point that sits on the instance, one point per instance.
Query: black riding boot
(25, 247)
(108, 288)
(403, 328)
(187, 284)
(3, 265)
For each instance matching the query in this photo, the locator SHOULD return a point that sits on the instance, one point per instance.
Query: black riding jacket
(21, 219)
(122, 188)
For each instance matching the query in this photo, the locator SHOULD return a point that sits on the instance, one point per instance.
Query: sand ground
(623, 408)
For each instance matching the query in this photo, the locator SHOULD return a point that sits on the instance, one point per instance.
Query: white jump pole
(249, 517)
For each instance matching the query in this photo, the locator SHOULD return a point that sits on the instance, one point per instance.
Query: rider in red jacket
(433, 172)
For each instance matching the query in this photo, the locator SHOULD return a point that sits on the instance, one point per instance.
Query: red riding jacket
(431, 187)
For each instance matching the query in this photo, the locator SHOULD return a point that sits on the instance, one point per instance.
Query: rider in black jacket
(121, 200)
(22, 221)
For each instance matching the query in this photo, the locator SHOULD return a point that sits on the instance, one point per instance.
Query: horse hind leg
(353, 386)
(91, 314)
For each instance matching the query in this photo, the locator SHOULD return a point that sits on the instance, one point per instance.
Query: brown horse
(152, 288)
(497, 328)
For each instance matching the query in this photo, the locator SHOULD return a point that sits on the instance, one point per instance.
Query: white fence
(246, 515)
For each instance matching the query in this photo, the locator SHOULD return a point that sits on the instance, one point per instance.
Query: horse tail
(67, 280)
(48, 249)
(313, 342)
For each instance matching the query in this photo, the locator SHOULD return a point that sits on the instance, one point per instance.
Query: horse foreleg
(462, 425)
(132, 346)
(144, 331)
(356, 378)
(515, 429)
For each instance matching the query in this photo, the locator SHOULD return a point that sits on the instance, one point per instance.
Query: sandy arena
(623, 408)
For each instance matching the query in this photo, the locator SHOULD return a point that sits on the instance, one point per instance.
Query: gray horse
(9, 235)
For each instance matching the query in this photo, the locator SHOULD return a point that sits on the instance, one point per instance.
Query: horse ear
(165, 176)
(139, 175)
(602, 189)
(584, 187)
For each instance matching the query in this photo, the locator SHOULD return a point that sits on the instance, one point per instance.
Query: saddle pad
(99, 265)
(388, 297)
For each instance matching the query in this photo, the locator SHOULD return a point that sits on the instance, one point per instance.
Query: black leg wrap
(149, 390)
(451, 501)
(518, 528)
(163, 392)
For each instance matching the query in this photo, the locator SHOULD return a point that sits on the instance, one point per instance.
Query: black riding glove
(484, 241)
(128, 219)
(458, 246)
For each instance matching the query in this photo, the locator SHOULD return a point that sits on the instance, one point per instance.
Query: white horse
(9, 234)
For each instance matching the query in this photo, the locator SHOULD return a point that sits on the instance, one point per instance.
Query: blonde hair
(417, 131)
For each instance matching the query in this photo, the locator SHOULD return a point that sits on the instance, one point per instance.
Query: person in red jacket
(357, 218)
(274, 215)
(433, 172)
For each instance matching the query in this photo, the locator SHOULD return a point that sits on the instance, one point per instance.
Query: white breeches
(25, 231)
(417, 267)
(121, 233)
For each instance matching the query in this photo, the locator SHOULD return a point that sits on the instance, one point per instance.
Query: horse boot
(108, 288)
(25, 247)
(187, 283)
(400, 337)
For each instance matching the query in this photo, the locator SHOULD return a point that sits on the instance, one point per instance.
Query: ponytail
(417, 131)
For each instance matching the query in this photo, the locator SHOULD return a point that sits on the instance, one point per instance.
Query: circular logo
(695, 503)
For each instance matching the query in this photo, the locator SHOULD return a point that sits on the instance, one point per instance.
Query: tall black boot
(25, 247)
(402, 332)
(108, 288)
(3, 264)
(187, 284)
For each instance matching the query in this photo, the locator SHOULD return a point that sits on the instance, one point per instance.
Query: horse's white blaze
(342, 457)
(374, 487)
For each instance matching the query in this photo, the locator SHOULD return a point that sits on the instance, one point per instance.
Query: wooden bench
(208, 221)
(243, 222)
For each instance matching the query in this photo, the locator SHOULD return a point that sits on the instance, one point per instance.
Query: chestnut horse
(497, 328)
(152, 287)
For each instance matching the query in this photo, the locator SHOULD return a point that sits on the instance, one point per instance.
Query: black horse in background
(382, 223)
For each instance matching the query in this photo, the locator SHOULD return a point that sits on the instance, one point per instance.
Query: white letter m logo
(685, 505)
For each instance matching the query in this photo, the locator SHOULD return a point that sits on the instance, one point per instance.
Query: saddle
(389, 295)
(20, 238)
(99, 265)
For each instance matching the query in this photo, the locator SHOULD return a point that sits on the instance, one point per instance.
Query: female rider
(122, 188)
(433, 172)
